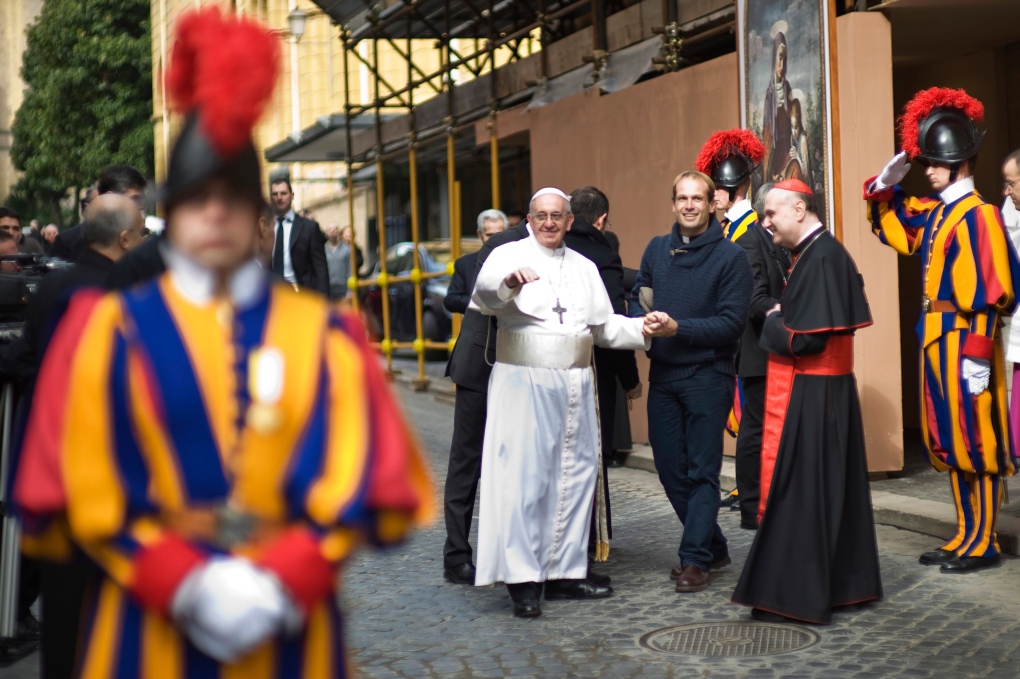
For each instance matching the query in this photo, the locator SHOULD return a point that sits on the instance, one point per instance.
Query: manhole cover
(729, 639)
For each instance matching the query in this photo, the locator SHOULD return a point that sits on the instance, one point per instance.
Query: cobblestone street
(405, 621)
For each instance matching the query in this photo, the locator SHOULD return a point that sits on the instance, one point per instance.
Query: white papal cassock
(540, 458)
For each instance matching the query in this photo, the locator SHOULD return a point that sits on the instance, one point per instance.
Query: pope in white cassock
(540, 459)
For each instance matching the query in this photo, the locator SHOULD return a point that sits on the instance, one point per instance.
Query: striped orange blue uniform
(971, 274)
(142, 419)
(734, 230)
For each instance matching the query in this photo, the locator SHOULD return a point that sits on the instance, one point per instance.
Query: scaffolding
(446, 108)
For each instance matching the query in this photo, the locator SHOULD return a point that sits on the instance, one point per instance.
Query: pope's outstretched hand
(522, 276)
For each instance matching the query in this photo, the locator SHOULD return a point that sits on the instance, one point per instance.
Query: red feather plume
(225, 67)
(926, 101)
(726, 143)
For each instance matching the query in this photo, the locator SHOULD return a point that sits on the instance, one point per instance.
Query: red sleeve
(883, 196)
(38, 486)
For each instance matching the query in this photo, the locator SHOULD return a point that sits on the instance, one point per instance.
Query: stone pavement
(404, 621)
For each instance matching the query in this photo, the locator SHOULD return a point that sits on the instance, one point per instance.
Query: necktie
(278, 248)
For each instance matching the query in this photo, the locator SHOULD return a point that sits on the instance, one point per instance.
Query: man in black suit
(122, 179)
(298, 254)
(586, 236)
(769, 265)
(469, 369)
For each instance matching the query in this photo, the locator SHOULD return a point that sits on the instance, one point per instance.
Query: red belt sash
(837, 359)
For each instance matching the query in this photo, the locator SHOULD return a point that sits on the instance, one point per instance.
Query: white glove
(229, 607)
(893, 173)
(977, 372)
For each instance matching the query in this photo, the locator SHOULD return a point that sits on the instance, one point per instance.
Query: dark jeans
(748, 460)
(462, 474)
(686, 418)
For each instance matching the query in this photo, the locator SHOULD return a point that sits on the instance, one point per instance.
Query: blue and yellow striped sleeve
(897, 219)
(362, 480)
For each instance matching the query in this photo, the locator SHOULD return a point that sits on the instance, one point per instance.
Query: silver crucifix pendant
(559, 310)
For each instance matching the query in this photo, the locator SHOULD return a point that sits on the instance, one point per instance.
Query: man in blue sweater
(704, 282)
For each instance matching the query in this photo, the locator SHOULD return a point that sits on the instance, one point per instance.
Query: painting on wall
(786, 91)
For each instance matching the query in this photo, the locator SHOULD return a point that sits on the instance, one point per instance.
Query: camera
(19, 277)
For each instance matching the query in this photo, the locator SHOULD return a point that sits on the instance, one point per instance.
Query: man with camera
(113, 226)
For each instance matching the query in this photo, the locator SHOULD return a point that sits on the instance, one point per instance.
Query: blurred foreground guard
(815, 548)
(217, 443)
(971, 274)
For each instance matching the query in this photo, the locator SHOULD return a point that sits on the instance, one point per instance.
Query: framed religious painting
(787, 92)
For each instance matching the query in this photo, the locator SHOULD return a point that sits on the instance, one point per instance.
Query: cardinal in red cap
(218, 443)
(815, 548)
(970, 278)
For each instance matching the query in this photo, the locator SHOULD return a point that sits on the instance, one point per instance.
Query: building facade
(15, 18)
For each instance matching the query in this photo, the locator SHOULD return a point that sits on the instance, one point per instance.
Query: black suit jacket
(138, 265)
(308, 256)
(458, 294)
(769, 264)
(68, 244)
(586, 240)
(470, 363)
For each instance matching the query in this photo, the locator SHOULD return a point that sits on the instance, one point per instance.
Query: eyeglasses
(1008, 185)
(557, 217)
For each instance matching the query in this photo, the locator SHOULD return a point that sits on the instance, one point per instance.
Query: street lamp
(296, 22)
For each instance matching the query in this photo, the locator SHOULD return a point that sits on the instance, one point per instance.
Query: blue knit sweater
(705, 286)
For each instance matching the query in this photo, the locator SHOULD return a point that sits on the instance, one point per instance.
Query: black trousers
(748, 460)
(29, 585)
(64, 587)
(462, 474)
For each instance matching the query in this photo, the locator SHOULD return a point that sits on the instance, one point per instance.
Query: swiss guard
(215, 441)
(730, 157)
(970, 277)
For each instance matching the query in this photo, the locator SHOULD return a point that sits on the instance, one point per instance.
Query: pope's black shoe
(939, 556)
(968, 564)
(525, 596)
(556, 590)
(598, 578)
(461, 574)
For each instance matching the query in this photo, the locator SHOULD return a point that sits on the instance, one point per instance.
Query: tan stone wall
(633, 143)
(15, 18)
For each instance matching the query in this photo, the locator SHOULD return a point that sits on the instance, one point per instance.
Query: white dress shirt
(288, 226)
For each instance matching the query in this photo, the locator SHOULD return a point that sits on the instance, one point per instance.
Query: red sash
(837, 359)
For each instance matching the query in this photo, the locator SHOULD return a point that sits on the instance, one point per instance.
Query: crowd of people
(207, 436)
(748, 315)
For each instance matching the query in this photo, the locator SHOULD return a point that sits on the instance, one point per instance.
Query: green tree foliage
(88, 102)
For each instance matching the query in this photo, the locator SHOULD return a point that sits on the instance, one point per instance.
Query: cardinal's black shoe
(967, 564)
(939, 556)
(556, 590)
(461, 574)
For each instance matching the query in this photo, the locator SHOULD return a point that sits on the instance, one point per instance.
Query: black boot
(525, 596)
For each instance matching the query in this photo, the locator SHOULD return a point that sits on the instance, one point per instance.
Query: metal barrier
(10, 552)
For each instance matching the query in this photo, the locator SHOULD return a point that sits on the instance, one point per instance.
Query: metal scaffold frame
(517, 22)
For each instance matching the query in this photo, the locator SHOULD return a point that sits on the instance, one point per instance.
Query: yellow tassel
(601, 551)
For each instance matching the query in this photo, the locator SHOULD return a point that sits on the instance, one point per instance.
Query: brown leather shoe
(692, 579)
(674, 573)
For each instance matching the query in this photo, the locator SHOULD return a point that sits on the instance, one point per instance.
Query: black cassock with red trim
(815, 548)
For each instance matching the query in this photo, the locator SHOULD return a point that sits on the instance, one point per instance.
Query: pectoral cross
(559, 310)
